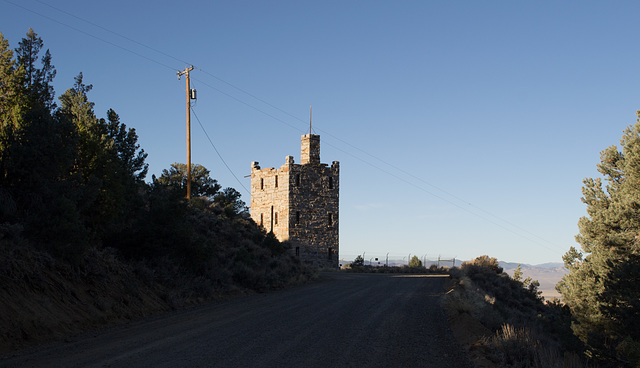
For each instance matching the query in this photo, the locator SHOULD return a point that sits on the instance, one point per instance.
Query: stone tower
(299, 203)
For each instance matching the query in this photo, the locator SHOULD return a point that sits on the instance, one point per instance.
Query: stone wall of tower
(314, 213)
(270, 198)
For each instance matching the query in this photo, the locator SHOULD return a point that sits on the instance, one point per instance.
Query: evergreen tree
(358, 262)
(415, 262)
(110, 165)
(602, 287)
(229, 200)
(201, 184)
(124, 146)
(37, 152)
(12, 103)
(37, 81)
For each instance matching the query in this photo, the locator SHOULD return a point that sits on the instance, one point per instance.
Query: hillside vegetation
(84, 240)
(504, 322)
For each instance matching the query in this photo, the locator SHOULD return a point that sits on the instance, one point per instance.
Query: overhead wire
(90, 35)
(369, 154)
(110, 31)
(218, 152)
(441, 198)
(287, 124)
(132, 52)
(373, 165)
(438, 188)
(248, 105)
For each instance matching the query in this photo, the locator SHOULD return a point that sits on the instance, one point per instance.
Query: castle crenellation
(299, 203)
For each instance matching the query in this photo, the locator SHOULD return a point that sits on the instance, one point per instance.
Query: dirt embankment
(43, 299)
(468, 331)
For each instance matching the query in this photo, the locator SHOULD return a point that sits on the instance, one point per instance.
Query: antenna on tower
(309, 119)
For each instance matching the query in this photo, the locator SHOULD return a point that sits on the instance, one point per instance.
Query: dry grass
(522, 347)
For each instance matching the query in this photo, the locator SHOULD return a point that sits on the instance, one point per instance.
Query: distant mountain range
(514, 265)
(548, 274)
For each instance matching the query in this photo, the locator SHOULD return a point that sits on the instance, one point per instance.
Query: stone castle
(299, 204)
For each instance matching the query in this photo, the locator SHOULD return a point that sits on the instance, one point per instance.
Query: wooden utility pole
(180, 73)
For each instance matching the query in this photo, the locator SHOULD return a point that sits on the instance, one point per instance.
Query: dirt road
(344, 320)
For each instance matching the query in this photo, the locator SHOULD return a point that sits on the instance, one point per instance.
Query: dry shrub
(456, 302)
(511, 347)
(467, 298)
(524, 347)
(484, 261)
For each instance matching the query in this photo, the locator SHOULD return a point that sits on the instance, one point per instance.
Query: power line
(112, 32)
(90, 35)
(445, 199)
(249, 105)
(404, 172)
(440, 189)
(373, 156)
(219, 155)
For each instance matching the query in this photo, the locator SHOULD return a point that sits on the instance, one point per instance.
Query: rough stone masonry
(299, 204)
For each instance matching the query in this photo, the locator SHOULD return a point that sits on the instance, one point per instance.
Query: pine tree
(110, 165)
(12, 95)
(357, 262)
(229, 200)
(37, 81)
(12, 103)
(602, 287)
(124, 146)
(201, 184)
(415, 262)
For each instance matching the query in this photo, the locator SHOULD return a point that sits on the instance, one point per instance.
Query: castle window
(276, 181)
(331, 219)
(297, 251)
(261, 183)
(261, 218)
(329, 253)
(297, 217)
(297, 180)
(330, 182)
(275, 219)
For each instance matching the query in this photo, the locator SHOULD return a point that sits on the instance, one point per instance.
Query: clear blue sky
(463, 127)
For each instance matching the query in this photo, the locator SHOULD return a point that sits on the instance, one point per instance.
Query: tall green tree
(37, 152)
(37, 80)
(123, 144)
(12, 103)
(110, 164)
(12, 94)
(202, 185)
(602, 287)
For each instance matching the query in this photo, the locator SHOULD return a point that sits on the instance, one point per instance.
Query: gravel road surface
(343, 320)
